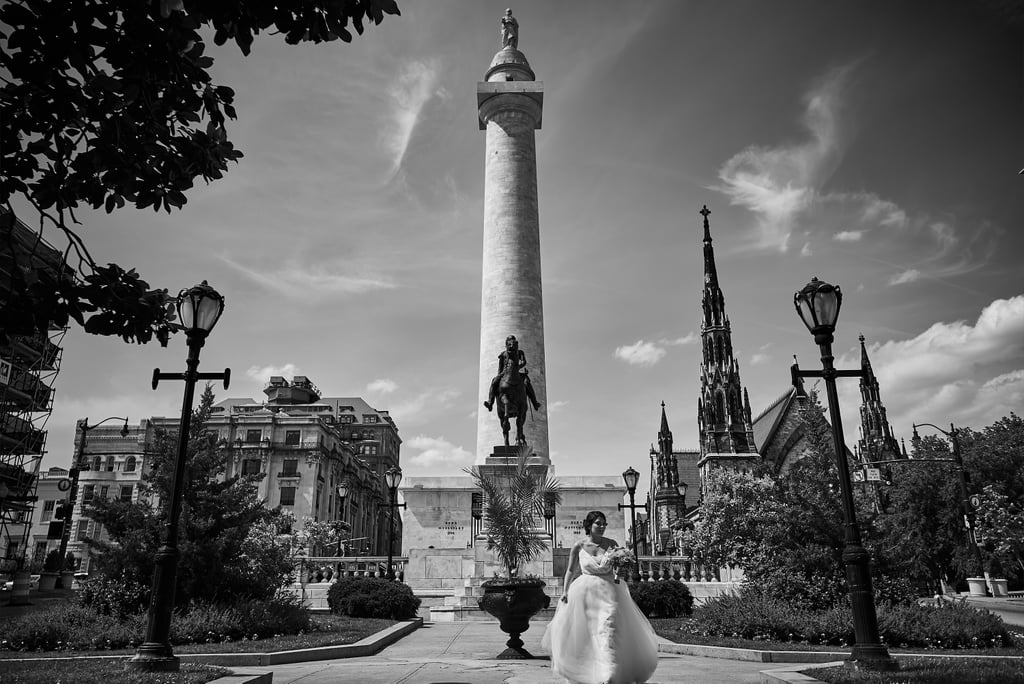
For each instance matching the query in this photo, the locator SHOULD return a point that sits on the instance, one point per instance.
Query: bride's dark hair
(588, 522)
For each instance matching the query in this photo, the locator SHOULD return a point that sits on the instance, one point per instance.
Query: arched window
(129, 464)
(110, 463)
(719, 407)
(97, 463)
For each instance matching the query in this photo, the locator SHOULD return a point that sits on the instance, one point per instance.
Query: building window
(251, 466)
(88, 492)
(40, 552)
(48, 510)
(129, 464)
(290, 466)
(369, 418)
(97, 463)
(126, 492)
(287, 496)
(253, 436)
(103, 492)
(291, 437)
(83, 530)
(346, 419)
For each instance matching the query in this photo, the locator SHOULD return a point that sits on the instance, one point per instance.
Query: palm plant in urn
(512, 503)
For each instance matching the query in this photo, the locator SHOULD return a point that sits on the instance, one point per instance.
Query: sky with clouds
(874, 145)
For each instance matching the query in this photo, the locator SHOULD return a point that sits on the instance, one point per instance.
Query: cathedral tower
(509, 105)
(723, 410)
(876, 442)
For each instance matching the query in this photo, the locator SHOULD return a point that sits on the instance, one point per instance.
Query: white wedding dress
(600, 636)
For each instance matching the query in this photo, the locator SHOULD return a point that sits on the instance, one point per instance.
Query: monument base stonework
(445, 538)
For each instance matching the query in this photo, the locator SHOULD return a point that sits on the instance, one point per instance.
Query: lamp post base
(156, 658)
(873, 657)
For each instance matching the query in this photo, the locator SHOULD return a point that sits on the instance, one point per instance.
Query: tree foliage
(787, 531)
(108, 103)
(227, 536)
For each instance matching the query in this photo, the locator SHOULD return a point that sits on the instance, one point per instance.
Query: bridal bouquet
(621, 559)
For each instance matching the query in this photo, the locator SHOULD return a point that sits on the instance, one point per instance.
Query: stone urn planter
(977, 585)
(514, 603)
(998, 586)
(47, 581)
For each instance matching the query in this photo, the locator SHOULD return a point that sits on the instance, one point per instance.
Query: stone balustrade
(319, 569)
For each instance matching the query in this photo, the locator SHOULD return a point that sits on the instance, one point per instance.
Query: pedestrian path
(464, 653)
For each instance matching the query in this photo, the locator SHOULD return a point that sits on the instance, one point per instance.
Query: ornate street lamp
(631, 477)
(818, 305)
(199, 309)
(342, 494)
(392, 478)
(965, 500)
(73, 474)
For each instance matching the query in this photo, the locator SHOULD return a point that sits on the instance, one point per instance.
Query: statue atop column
(509, 31)
(512, 388)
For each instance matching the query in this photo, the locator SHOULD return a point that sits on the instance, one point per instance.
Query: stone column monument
(510, 101)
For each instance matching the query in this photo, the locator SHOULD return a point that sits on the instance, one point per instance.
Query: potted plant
(512, 504)
(51, 567)
(67, 573)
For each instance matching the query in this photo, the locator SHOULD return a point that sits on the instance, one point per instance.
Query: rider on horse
(511, 360)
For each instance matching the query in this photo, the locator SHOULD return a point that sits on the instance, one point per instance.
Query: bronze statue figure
(512, 388)
(509, 31)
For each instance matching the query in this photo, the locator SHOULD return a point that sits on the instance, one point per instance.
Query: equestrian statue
(511, 388)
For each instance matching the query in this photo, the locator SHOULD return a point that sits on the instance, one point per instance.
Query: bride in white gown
(598, 635)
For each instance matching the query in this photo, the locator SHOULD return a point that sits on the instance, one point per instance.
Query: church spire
(723, 416)
(664, 434)
(877, 441)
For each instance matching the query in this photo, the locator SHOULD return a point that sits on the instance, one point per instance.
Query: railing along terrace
(328, 568)
(682, 568)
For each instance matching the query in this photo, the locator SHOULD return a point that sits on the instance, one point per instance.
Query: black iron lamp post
(965, 500)
(631, 477)
(392, 478)
(199, 309)
(76, 468)
(342, 494)
(818, 306)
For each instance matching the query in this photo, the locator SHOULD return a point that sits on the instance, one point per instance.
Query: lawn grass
(331, 630)
(671, 629)
(929, 671)
(106, 671)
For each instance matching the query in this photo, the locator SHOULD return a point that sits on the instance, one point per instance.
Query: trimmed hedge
(901, 626)
(372, 597)
(662, 599)
(70, 626)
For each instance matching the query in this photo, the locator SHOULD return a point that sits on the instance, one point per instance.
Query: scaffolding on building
(29, 365)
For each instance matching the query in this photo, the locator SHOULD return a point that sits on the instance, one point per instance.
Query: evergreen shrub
(662, 599)
(67, 626)
(114, 596)
(372, 597)
(763, 618)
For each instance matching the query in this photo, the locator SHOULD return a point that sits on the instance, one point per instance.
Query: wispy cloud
(435, 451)
(908, 276)
(779, 183)
(419, 408)
(415, 85)
(262, 374)
(644, 353)
(783, 187)
(556, 406)
(640, 353)
(310, 281)
(382, 386)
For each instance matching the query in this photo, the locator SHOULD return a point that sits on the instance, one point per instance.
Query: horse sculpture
(512, 403)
